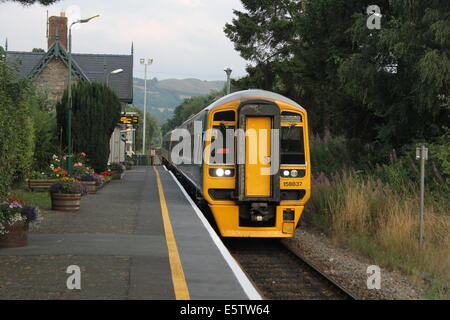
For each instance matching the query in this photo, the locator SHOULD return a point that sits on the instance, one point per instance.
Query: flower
(15, 205)
(79, 164)
(83, 154)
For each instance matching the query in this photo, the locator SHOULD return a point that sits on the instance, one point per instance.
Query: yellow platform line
(179, 281)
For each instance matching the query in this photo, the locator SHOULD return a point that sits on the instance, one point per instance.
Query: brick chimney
(57, 27)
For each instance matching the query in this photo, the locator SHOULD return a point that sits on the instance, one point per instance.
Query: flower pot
(40, 184)
(66, 201)
(117, 176)
(90, 186)
(17, 235)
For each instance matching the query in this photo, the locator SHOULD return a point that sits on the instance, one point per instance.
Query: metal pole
(228, 72)
(145, 110)
(423, 156)
(69, 115)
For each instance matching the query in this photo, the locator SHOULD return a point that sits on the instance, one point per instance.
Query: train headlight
(294, 173)
(228, 172)
(220, 172)
(286, 173)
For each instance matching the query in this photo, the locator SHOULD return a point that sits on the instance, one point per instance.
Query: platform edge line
(178, 279)
(243, 280)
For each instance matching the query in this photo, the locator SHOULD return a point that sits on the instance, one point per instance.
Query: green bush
(16, 128)
(96, 112)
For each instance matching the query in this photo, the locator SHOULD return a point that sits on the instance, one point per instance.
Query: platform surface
(125, 248)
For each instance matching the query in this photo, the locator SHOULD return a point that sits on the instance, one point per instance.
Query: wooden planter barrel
(117, 176)
(91, 186)
(17, 236)
(40, 184)
(66, 201)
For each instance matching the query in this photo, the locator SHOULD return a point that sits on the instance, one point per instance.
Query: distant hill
(166, 95)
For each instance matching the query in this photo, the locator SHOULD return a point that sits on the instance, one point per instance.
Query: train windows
(292, 148)
(287, 116)
(222, 151)
(224, 116)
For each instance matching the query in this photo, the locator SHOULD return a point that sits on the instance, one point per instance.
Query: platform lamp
(69, 100)
(117, 71)
(228, 72)
(145, 62)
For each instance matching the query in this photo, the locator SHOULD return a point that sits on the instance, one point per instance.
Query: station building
(49, 70)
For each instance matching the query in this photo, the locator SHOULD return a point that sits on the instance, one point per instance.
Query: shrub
(16, 128)
(96, 111)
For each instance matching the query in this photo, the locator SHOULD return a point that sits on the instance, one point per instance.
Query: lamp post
(69, 91)
(228, 72)
(117, 71)
(145, 63)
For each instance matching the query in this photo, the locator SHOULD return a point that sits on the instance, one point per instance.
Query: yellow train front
(247, 156)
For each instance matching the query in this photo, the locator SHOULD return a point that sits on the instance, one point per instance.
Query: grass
(381, 221)
(39, 199)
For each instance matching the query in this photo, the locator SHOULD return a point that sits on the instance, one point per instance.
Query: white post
(145, 110)
(422, 155)
(145, 63)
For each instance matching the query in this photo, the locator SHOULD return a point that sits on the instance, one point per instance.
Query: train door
(258, 157)
(258, 152)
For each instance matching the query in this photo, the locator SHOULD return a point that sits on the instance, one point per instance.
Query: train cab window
(222, 151)
(224, 116)
(287, 116)
(292, 147)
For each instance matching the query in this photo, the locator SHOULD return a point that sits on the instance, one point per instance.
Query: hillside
(166, 95)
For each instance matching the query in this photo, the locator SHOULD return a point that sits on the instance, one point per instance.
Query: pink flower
(79, 164)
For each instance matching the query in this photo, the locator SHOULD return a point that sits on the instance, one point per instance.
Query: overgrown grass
(39, 199)
(376, 211)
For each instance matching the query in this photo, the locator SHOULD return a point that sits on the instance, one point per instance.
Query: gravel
(349, 268)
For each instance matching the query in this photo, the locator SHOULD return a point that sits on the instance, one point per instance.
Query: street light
(228, 72)
(145, 63)
(117, 71)
(69, 107)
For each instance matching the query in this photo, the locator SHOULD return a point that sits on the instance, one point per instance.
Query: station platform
(138, 238)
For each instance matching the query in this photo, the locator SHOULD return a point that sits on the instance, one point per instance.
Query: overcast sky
(184, 37)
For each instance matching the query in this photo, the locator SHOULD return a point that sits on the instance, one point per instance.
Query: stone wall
(53, 79)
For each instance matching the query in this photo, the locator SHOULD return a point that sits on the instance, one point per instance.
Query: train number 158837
(292, 183)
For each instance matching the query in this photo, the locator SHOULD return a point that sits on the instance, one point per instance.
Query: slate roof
(92, 65)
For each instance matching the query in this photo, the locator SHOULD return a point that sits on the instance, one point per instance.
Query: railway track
(276, 271)
(280, 274)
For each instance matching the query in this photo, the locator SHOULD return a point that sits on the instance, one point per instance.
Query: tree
(16, 127)
(377, 87)
(30, 2)
(96, 112)
(402, 72)
(187, 108)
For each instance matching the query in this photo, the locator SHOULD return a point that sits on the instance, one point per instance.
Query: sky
(184, 38)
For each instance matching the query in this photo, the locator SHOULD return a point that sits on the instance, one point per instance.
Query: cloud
(184, 37)
(189, 3)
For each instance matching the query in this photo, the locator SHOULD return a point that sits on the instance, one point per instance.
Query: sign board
(129, 120)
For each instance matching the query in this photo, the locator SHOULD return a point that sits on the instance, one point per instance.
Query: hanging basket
(66, 201)
(16, 236)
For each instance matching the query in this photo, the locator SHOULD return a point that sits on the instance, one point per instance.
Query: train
(247, 156)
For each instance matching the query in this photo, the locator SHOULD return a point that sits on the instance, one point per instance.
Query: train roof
(249, 94)
(245, 95)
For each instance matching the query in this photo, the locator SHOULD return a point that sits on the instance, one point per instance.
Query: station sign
(129, 120)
